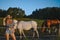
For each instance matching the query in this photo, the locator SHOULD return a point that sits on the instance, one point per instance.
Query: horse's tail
(44, 25)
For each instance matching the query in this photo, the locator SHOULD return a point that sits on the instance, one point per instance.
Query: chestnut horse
(49, 24)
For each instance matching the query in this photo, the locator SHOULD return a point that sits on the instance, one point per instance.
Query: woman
(8, 22)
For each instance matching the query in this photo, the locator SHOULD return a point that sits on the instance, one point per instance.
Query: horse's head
(15, 23)
(59, 21)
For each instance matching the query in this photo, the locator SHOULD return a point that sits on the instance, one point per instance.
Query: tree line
(45, 13)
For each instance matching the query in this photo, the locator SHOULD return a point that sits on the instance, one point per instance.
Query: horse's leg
(43, 29)
(20, 31)
(55, 30)
(43, 26)
(49, 28)
(33, 34)
(24, 34)
(59, 30)
(37, 33)
(49, 31)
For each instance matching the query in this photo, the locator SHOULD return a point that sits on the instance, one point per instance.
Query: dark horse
(51, 26)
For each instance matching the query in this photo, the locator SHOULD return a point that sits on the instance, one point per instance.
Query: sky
(28, 5)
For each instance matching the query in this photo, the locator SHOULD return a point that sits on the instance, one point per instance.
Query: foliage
(46, 13)
(3, 13)
(16, 12)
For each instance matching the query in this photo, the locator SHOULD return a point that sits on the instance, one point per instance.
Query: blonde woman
(8, 22)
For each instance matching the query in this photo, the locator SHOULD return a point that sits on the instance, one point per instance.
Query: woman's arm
(4, 21)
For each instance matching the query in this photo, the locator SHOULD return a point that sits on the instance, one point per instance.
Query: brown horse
(49, 23)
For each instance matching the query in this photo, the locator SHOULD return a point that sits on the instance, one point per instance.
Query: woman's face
(8, 16)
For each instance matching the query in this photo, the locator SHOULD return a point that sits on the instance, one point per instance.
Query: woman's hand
(12, 29)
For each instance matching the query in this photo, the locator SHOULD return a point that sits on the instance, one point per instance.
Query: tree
(16, 12)
(3, 13)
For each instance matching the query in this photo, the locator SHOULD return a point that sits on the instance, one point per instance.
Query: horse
(26, 25)
(49, 23)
